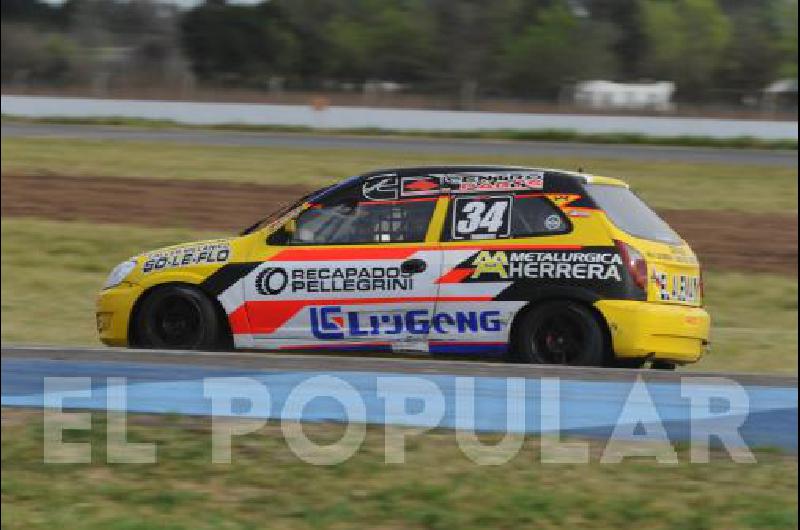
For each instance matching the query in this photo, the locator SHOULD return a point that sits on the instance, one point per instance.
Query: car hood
(195, 253)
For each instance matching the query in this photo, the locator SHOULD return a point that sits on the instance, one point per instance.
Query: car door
(358, 270)
(485, 239)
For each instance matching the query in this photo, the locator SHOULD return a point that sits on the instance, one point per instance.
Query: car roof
(556, 180)
(444, 169)
(579, 175)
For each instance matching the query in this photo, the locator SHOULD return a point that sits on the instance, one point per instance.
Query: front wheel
(560, 332)
(178, 317)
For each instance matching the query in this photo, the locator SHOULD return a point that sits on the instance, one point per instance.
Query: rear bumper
(660, 331)
(113, 311)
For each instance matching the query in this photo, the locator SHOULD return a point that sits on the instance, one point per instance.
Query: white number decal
(494, 218)
(474, 212)
(484, 217)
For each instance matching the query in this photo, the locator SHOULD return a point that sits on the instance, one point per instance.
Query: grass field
(52, 270)
(267, 486)
(754, 314)
(663, 184)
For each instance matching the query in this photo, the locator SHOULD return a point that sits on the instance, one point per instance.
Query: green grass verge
(754, 322)
(267, 486)
(547, 135)
(52, 270)
(664, 185)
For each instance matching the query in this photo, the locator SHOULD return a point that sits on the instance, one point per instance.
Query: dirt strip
(722, 239)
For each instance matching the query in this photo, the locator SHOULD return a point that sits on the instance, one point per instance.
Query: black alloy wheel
(178, 317)
(560, 332)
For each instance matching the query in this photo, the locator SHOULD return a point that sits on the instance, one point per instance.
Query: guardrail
(200, 113)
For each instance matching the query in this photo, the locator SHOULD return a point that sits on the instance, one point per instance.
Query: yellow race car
(536, 265)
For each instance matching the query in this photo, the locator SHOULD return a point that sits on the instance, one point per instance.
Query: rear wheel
(178, 317)
(662, 365)
(560, 332)
(633, 362)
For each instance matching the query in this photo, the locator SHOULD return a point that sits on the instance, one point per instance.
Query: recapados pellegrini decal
(347, 279)
(391, 187)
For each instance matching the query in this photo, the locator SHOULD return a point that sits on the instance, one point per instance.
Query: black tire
(632, 362)
(178, 317)
(560, 332)
(662, 365)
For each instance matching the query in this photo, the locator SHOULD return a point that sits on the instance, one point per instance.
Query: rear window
(630, 213)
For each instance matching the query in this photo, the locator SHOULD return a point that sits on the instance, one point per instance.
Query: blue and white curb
(768, 414)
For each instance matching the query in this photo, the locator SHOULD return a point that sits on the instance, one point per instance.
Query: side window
(537, 216)
(364, 222)
(502, 216)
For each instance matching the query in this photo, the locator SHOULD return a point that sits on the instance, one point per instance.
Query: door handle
(413, 266)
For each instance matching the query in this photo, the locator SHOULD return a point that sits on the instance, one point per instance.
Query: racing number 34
(481, 217)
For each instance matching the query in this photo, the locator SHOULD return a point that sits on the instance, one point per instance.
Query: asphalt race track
(422, 145)
(591, 400)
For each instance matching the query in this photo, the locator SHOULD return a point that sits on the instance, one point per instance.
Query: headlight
(119, 273)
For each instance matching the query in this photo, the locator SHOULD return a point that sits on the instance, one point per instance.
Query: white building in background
(781, 95)
(601, 95)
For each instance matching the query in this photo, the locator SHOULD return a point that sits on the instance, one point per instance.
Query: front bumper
(660, 331)
(113, 311)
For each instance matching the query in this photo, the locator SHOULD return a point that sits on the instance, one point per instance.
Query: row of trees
(528, 48)
(82, 42)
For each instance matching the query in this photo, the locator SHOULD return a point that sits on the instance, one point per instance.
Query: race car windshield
(630, 213)
(279, 214)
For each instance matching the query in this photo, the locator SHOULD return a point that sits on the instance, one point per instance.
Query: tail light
(634, 262)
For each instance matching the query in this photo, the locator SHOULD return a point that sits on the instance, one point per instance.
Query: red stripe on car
(398, 201)
(520, 246)
(456, 275)
(344, 254)
(238, 321)
(466, 343)
(337, 345)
